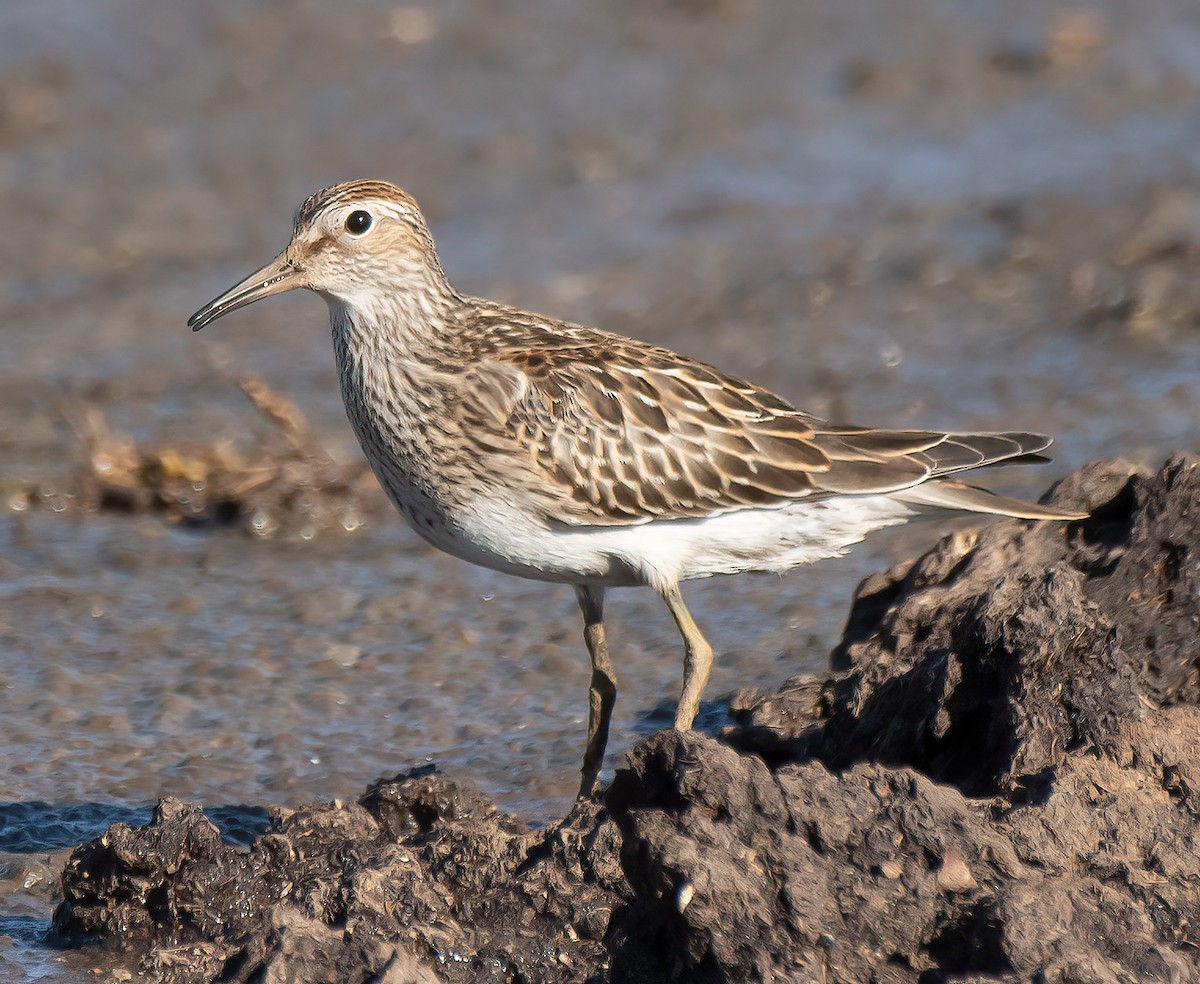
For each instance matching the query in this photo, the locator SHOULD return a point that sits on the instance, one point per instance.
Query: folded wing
(620, 435)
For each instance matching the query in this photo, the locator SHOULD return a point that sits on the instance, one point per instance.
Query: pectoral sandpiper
(558, 452)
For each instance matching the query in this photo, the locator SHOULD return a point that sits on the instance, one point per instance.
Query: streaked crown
(364, 191)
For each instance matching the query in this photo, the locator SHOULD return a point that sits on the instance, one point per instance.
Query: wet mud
(1004, 783)
(912, 212)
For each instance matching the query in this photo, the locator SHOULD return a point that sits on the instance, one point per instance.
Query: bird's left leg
(697, 659)
(602, 693)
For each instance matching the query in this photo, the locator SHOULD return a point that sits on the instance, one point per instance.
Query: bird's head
(353, 243)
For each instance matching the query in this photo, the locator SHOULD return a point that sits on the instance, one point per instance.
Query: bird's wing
(618, 433)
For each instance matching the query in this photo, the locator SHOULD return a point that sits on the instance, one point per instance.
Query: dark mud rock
(1053, 671)
(1000, 783)
(426, 873)
(742, 873)
(1002, 654)
(801, 874)
(163, 879)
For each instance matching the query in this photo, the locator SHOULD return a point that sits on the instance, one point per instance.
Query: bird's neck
(416, 322)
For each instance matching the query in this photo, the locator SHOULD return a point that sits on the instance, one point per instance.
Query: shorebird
(558, 452)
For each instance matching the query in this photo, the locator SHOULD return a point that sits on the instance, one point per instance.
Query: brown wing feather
(621, 437)
(618, 433)
(869, 460)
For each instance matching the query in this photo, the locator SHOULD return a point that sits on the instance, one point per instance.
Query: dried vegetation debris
(286, 483)
(1001, 782)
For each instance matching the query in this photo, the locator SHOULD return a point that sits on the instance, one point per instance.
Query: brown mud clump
(1000, 781)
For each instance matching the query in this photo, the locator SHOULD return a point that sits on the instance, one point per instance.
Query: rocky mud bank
(1000, 780)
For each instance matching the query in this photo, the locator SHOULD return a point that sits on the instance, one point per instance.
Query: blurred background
(906, 212)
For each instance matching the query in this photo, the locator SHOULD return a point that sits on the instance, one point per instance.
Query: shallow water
(921, 213)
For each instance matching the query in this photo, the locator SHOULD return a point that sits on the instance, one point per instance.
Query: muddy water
(923, 213)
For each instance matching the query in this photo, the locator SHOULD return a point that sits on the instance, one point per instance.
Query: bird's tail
(917, 467)
(948, 494)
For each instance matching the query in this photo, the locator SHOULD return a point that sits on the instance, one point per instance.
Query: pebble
(954, 875)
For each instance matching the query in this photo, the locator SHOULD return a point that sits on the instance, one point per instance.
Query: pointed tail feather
(968, 498)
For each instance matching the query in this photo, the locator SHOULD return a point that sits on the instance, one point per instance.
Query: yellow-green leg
(697, 659)
(602, 692)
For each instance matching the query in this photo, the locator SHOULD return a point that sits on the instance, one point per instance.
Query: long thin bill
(275, 278)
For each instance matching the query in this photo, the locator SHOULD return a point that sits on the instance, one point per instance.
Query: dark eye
(358, 222)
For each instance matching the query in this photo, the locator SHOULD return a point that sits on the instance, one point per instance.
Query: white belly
(668, 551)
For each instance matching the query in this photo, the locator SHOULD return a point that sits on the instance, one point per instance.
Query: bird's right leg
(697, 659)
(602, 692)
